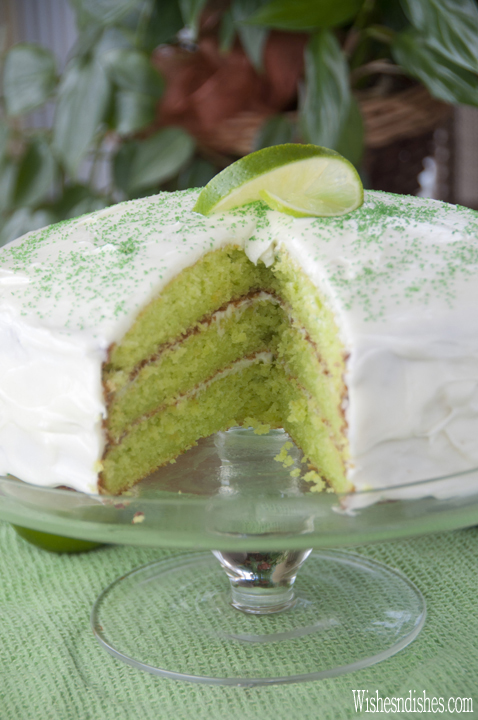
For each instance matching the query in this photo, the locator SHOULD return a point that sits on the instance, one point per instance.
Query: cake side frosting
(399, 274)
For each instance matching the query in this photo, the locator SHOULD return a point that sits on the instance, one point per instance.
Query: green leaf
(164, 23)
(445, 80)
(29, 78)
(392, 14)
(132, 70)
(122, 163)
(306, 15)
(105, 12)
(351, 141)
(197, 174)
(133, 111)
(112, 39)
(89, 205)
(4, 139)
(253, 38)
(140, 165)
(88, 39)
(82, 102)
(449, 26)
(160, 157)
(325, 101)
(37, 174)
(191, 11)
(77, 200)
(227, 32)
(8, 176)
(24, 220)
(277, 130)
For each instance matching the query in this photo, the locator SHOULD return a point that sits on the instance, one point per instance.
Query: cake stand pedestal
(343, 613)
(177, 618)
(262, 607)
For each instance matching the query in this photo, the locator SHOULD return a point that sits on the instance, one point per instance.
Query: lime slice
(300, 180)
(55, 543)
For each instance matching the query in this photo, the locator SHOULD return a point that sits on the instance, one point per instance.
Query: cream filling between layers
(261, 357)
(233, 308)
(265, 357)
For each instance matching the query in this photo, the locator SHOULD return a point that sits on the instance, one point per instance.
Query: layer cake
(128, 334)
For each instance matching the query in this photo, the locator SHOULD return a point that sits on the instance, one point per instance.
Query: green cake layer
(226, 343)
(214, 344)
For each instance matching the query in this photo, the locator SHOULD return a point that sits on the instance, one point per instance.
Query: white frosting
(401, 275)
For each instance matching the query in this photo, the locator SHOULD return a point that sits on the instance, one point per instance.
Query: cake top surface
(400, 274)
(394, 257)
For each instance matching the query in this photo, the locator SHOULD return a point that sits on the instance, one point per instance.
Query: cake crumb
(259, 428)
(284, 457)
(313, 477)
(138, 517)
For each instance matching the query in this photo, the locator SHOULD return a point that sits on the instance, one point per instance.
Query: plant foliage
(105, 143)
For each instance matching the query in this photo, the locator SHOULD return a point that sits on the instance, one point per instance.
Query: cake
(128, 334)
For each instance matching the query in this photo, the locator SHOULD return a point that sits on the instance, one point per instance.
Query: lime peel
(55, 543)
(299, 180)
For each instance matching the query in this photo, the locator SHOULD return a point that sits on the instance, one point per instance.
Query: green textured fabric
(52, 668)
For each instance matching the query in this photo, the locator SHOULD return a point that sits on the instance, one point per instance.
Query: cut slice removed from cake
(268, 353)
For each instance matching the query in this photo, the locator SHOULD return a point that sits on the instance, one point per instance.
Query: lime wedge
(300, 180)
(55, 543)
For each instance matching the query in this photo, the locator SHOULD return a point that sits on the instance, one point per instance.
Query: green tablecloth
(52, 668)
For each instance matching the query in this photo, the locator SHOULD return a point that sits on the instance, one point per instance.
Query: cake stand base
(174, 618)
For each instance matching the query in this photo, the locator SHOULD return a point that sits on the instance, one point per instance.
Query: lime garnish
(300, 180)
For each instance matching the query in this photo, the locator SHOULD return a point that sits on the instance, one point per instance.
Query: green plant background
(107, 96)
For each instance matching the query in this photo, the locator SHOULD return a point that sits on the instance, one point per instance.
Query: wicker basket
(400, 134)
(407, 114)
(387, 119)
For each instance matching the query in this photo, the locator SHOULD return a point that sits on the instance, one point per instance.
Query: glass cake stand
(238, 610)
